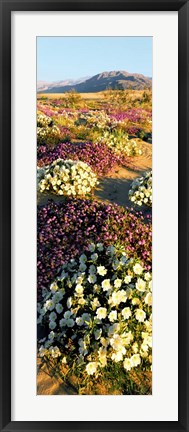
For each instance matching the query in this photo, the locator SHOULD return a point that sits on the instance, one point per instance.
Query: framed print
(94, 142)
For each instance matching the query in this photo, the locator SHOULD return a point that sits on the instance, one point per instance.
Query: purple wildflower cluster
(66, 134)
(97, 155)
(57, 102)
(64, 110)
(65, 230)
(133, 130)
(47, 111)
(134, 115)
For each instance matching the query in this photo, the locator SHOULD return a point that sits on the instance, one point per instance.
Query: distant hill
(103, 81)
(51, 87)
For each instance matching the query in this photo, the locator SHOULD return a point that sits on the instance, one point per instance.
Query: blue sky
(60, 58)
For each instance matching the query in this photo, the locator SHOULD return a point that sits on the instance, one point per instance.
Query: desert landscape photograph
(94, 215)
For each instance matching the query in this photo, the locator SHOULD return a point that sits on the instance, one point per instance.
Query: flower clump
(134, 115)
(97, 155)
(141, 190)
(43, 120)
(119, 142)
(47, 131)
(98, 311)
(66, 228)
(67, 177)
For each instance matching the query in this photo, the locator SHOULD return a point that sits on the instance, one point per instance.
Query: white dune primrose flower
(62, 322)
(52, 325)
(54, 351)
(117, 343)
(79, 289)
(126, 312)
(91, 247)
(112, 316)
(140, 285)
(51, 335)
(59, 308)
(91, 368)
(53, 287)
(58, 296)
(106, 284)
(42, 351)
(101, 270)
(52, 316)
(148, 299)
(140, 315)
(138, 269)
(127, 279)
(101, 313)
(117, 283)
(100, 247)
(127, 364)
(117, 356)
(82, 267)
(79, 321)
(136, 360)
(83, 259)
(70, 322)
(94, 257)
(92, 269)
(118, 297)
(67, 314)
(49, 305)
(147, 276)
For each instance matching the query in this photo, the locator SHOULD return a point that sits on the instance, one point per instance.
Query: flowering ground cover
(67, 177)
(141, 190)
(66, 228)
(94, 257)
(98, 311)
(97, 155)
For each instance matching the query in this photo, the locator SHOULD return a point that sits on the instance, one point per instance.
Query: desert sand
(115, 187)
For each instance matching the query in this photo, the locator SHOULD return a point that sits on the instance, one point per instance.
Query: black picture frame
(6, 6)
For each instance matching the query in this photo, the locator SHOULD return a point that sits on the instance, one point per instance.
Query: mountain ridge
(103, 81)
